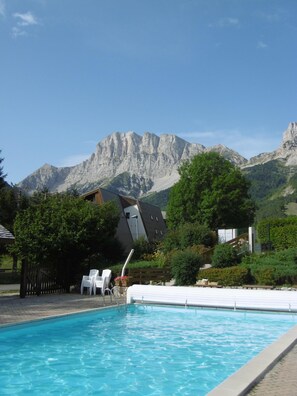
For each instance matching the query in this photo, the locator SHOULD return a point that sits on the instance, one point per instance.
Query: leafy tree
(11, 201)
(212, 191)
(61, 231)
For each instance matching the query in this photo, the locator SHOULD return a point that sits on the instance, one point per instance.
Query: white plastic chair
(88, 281)
(102, 281)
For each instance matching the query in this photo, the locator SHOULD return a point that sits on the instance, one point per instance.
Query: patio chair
(88, 281)
(102, 281)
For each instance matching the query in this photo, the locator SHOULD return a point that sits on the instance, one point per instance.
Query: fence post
(23, 285)
(38, 282)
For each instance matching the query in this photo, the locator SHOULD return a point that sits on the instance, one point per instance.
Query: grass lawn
(6, 261)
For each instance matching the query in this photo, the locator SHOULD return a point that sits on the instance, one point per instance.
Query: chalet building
(5, 235)
(137, 218)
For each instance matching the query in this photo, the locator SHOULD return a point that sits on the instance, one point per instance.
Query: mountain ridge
(137, 165)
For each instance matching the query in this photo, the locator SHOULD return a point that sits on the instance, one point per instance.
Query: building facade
(137, 219)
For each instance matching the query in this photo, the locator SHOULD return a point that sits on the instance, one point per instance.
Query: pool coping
(249, 375)
(43, 319)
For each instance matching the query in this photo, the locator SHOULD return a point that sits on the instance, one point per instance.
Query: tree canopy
(2, 175)
(211, 191)
(62, 230)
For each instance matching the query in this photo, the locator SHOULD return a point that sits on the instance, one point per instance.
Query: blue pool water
(138, 350)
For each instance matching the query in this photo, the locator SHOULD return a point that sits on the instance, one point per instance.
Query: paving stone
(281, 380)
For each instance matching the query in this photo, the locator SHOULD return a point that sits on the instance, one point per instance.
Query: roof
(5, 235)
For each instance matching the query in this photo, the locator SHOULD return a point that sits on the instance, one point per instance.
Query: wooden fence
(37, 281)
(148, 275)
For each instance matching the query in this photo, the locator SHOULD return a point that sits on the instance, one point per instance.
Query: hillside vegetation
(273, 187)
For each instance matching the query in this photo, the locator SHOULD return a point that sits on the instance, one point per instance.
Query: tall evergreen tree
(2, 176)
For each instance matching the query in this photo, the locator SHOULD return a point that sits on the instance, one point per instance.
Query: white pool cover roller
(271, 300)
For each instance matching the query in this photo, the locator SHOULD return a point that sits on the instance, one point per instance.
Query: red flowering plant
(122, 281)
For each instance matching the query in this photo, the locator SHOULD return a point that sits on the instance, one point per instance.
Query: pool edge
(58, 316)
(243, 380)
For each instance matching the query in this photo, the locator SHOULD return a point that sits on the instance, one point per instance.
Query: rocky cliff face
(125, 162)
(287, 150)
(135, 165)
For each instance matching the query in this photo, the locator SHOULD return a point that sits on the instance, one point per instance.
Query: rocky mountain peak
(137, 165)
(287, 150)
(290, 137)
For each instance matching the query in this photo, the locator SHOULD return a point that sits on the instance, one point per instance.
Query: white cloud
(242, 142)
(198, 134)
(2, 8)
(270, 17)
(17, 32)
(261, 45)
(226, 22)
(73, 160)
(25, 19)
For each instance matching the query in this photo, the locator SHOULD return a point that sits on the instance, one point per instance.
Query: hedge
(7, 278)
(281, 233)
(229, 276)
(277, 268)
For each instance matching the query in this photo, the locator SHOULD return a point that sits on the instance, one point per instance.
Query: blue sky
(210, 71)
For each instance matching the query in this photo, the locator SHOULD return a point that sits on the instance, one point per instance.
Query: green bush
(280, 233)
(187, 235)
(275, 268)
(143, 247)
(7, 278)
(184, 267)
(224, 255)
(264, 276)
(117, 268)
(195, 234)
(230, 276)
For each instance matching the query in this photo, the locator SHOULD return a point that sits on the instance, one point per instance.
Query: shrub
(195, 234)
(230, 276)
(224, 255)
(281, 233)
(184, 267)
(264, 276)
(10, 277)
(143, 247)
(276, 268)
(187, 235)
(171, 241)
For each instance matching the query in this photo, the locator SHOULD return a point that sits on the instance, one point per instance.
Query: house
(5, 235)
(137, 218)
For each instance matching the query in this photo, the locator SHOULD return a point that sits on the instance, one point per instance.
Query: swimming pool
(134, 350)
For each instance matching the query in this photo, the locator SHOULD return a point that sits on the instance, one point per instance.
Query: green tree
(11, 201)
(61, 231)
(2, 175)
(211, 191)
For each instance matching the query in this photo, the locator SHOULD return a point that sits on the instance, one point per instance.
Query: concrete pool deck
(280, 378)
